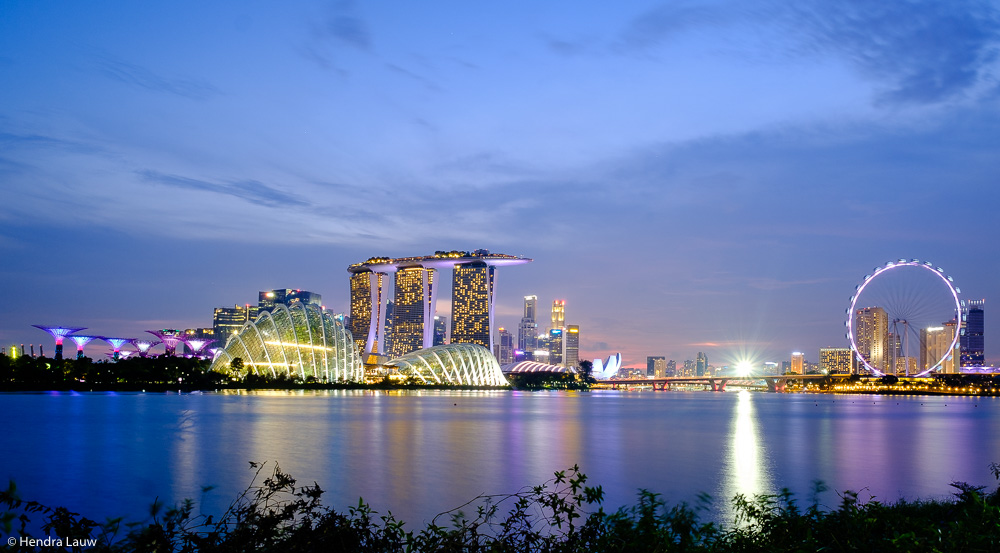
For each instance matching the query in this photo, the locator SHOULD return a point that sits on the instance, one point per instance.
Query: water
(421, 453)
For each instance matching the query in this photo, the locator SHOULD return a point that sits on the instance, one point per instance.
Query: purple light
(59, 332)
(143, 346)
(170, 338)
(81, 342)
(197, 345)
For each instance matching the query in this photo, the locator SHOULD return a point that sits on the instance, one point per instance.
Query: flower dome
(463, 364)
(300, 339)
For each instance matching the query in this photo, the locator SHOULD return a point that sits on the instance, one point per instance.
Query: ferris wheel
(905, 318)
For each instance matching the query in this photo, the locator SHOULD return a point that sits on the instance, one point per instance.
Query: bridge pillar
(718, 386)
(776, 384)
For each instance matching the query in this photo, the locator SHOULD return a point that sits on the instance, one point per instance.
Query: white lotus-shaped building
(462, 364)
(300, 340)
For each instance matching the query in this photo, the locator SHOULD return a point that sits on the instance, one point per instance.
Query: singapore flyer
(905, 320)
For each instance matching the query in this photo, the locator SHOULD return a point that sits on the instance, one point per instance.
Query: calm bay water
(421, 453)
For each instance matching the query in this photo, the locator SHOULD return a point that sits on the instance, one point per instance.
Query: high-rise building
(935, 344)
(472, 299)
(972, 343)
(527, 331)
(836, 360)
(690, 366)
(656, 366)
(368, 305)
(701, 367)
(671, 368)
(440, 330)
(872, 336)
(572, 338)
(558, 314)
(557, 345)
(413, 311)
(505, 347)
(227, 321)
(798, 360)
(267, 299)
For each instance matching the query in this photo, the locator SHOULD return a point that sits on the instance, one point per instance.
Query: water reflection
(747, 470)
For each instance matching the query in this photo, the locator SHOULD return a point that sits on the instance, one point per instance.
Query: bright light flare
(744, 368)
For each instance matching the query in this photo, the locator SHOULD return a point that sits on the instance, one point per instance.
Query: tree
(587, 371)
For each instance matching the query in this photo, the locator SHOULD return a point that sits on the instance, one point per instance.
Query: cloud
(926, 51)
(135, 75)
(250, 190)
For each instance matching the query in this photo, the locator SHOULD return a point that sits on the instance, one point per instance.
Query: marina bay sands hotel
(414, 297)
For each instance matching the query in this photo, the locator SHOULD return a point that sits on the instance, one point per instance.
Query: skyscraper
(798, 362)
(472, 297)
(872, 336)
(836, 360)
(368, 303)
(558, 314)
(227, 321)
(557, 344)
(972, 343)
(527, 331)
(935, 342)
(656, 366)
(413, 312)
(505, 347)
(572, 337)
(440, 330)
(701, 367)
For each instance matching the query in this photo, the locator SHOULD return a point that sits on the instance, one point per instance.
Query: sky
(687, 176)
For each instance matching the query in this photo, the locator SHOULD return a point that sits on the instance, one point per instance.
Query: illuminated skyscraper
(227, 321)
(798, 360)
(701, 364)
(505, 347)
(972, 343)
(413, 311)
(558, 314)
(671, 368)
(527, 331)
(368, 306)
(267, 299)
(557, 345)
(440, 330)
(836, 360)
(656, 366)
(572, 335)
(471, 304)
(872, 336)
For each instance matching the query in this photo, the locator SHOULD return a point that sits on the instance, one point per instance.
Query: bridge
(718, 383)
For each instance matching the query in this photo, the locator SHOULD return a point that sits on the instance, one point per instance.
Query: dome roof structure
(300, 339)
(535, 367)
(462, 364)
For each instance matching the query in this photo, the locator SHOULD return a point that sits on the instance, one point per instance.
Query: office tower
(440, 330)
(368, 311)
(471, 304)
(872, 336)
(558, 314)
(836, 360)
(690, 366)
(527, 331)
(656, 366)
(972, 343)
(572, 338)
(798, 359)
(935, 342)
(671, 368)
(413, 312)
(701, 367)
(505, 347)
(557, 346)
(267, 299)
(227, 321)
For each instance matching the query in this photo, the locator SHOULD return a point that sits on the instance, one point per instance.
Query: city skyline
(697, 177)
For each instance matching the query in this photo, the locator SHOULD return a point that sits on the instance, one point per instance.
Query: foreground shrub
(561, 515)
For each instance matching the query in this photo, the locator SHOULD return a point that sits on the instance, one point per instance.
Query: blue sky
(688, 176)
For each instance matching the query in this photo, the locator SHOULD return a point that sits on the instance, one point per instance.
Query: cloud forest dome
(300, 339)
(463, 364)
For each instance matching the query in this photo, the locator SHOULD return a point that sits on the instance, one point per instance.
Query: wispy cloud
(136, 75)
(250, 190)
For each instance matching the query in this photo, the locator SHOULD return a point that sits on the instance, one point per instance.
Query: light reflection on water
(420, 453)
